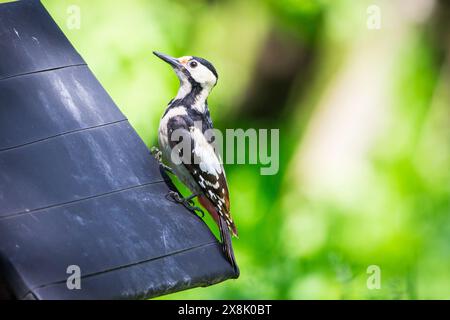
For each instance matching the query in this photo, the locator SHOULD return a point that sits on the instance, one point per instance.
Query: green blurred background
(364, 125)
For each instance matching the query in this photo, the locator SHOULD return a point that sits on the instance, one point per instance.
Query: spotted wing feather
(205, 167)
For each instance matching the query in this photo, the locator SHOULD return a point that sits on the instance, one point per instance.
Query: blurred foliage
(296, 243)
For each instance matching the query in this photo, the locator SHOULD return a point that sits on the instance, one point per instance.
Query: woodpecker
(201, 170)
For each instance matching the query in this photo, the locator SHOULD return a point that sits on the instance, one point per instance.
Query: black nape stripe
(189, 99)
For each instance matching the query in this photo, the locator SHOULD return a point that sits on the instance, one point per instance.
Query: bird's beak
(170, 60)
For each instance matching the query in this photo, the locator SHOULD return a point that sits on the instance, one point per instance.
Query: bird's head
(193, 70)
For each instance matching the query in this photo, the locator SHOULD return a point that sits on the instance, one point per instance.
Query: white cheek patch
(202, 74)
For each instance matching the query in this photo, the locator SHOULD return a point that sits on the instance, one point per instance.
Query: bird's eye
(193, 64)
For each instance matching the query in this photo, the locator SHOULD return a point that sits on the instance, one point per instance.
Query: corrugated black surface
(114, 231)
(72, 167)
(56, 102)
(78, 186)
(31, 41)
(167, 274)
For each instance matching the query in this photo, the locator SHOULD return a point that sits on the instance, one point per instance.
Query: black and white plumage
(203, 172)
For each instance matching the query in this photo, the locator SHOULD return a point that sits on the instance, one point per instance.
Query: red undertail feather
(224, 228)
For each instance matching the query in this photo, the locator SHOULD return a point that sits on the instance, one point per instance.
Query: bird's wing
(207, 170)
(205, 167)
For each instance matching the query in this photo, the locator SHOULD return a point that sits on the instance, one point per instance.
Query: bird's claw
(198, 211)
(175, 196)
(156, 153)
(187, 203)
(158, 156)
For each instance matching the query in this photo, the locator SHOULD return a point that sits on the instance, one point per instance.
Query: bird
(201, 168)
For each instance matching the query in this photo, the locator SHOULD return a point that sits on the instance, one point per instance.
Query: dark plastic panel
(31, 41)
(77, 184)
(165, 275)
(73, 167)
(100, 234)
(55, 102)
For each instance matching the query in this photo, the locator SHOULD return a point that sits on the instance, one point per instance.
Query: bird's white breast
(163, 135)
(179, 169)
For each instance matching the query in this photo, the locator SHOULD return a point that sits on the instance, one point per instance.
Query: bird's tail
(225, 232)
(227, 245)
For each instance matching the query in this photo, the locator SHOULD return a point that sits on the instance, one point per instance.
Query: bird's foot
(156, 153)
(158, 156)
(188, 202)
